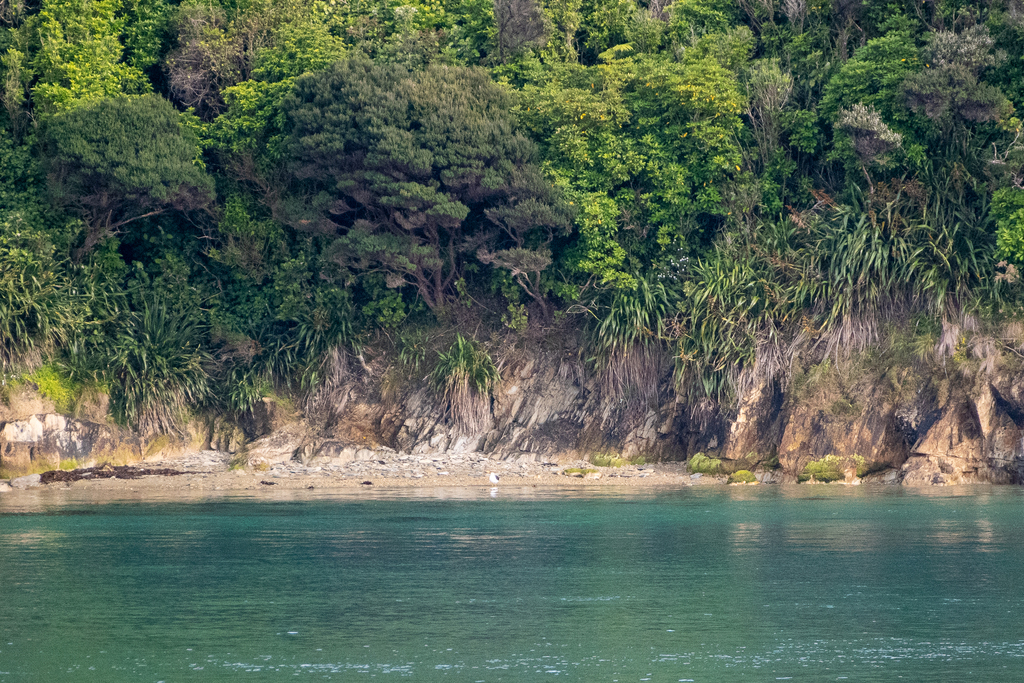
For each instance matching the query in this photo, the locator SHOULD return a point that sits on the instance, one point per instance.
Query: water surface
(809, 583)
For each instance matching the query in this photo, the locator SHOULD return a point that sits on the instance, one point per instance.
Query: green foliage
(298, 48)
(39, 310)
(412, 350)
(251, 124)
(702, 464)
(14, 94)
(517, 317)
(913, 247)
(642, 147)
(612, 460)
(246, 386)
(734, 300)
(949, 91)
(465, 364)
(628, 341)
(608, 460)
(57, 387)
(730, 184)
(581, 471)
(742, 477)
(80, 54)
(404, 165)
(693, 19)
(636, 317)
(832, 468)
(463, 378)
(146, 31)
(118, 160)
(157, 368)
(1008, 210)
(874, 77)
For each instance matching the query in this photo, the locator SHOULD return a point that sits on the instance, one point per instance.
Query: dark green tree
(403, 166)
(116, 161)
(950, 91)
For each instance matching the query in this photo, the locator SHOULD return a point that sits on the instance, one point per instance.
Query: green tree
(116, 161)
(249, 133)
(950, 91)
(403, 165)
(80, 54)
(874, 77)
(643, 147)
(13, 94)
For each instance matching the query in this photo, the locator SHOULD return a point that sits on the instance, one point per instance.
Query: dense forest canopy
(203, 200)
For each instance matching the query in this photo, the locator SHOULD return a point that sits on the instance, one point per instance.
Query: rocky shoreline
(211, 471)
(546, 416)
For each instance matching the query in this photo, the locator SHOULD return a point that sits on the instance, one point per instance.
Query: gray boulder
(27, 481)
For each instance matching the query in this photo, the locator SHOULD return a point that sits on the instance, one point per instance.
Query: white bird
(494, 478)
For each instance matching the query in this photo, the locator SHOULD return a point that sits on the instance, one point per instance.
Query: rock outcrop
(811, 433)
(47, 439)
(977, 439)
(925, 430)
(544, 409)
(27, 482)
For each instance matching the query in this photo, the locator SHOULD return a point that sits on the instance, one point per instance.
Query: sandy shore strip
(209, 471)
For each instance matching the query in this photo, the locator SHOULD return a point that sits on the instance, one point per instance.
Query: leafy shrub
(608, 460)
(612, 460)
(463, 378)
(832, 468)
(38, 310)
(57, 387)
(742, 477)
(702, 464)
(157, 369)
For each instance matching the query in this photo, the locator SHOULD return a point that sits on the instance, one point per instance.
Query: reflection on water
(765, 583)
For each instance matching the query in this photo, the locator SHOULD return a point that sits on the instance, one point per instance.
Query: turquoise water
(745, 583)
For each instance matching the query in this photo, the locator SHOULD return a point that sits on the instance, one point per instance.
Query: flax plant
(39, 308)
(463, 379)
(157, 369)
(629, 341)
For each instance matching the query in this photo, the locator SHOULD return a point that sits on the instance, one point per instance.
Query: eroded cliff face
(544, 409)
(47, 439)
(909, 426)
(962, 427)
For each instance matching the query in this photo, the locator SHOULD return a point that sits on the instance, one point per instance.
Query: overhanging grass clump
(629, 342)
(157, 369)
(39, 309)
(463, 378)
(834, 280)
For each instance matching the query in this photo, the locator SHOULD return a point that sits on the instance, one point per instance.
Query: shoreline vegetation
(768, 233)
